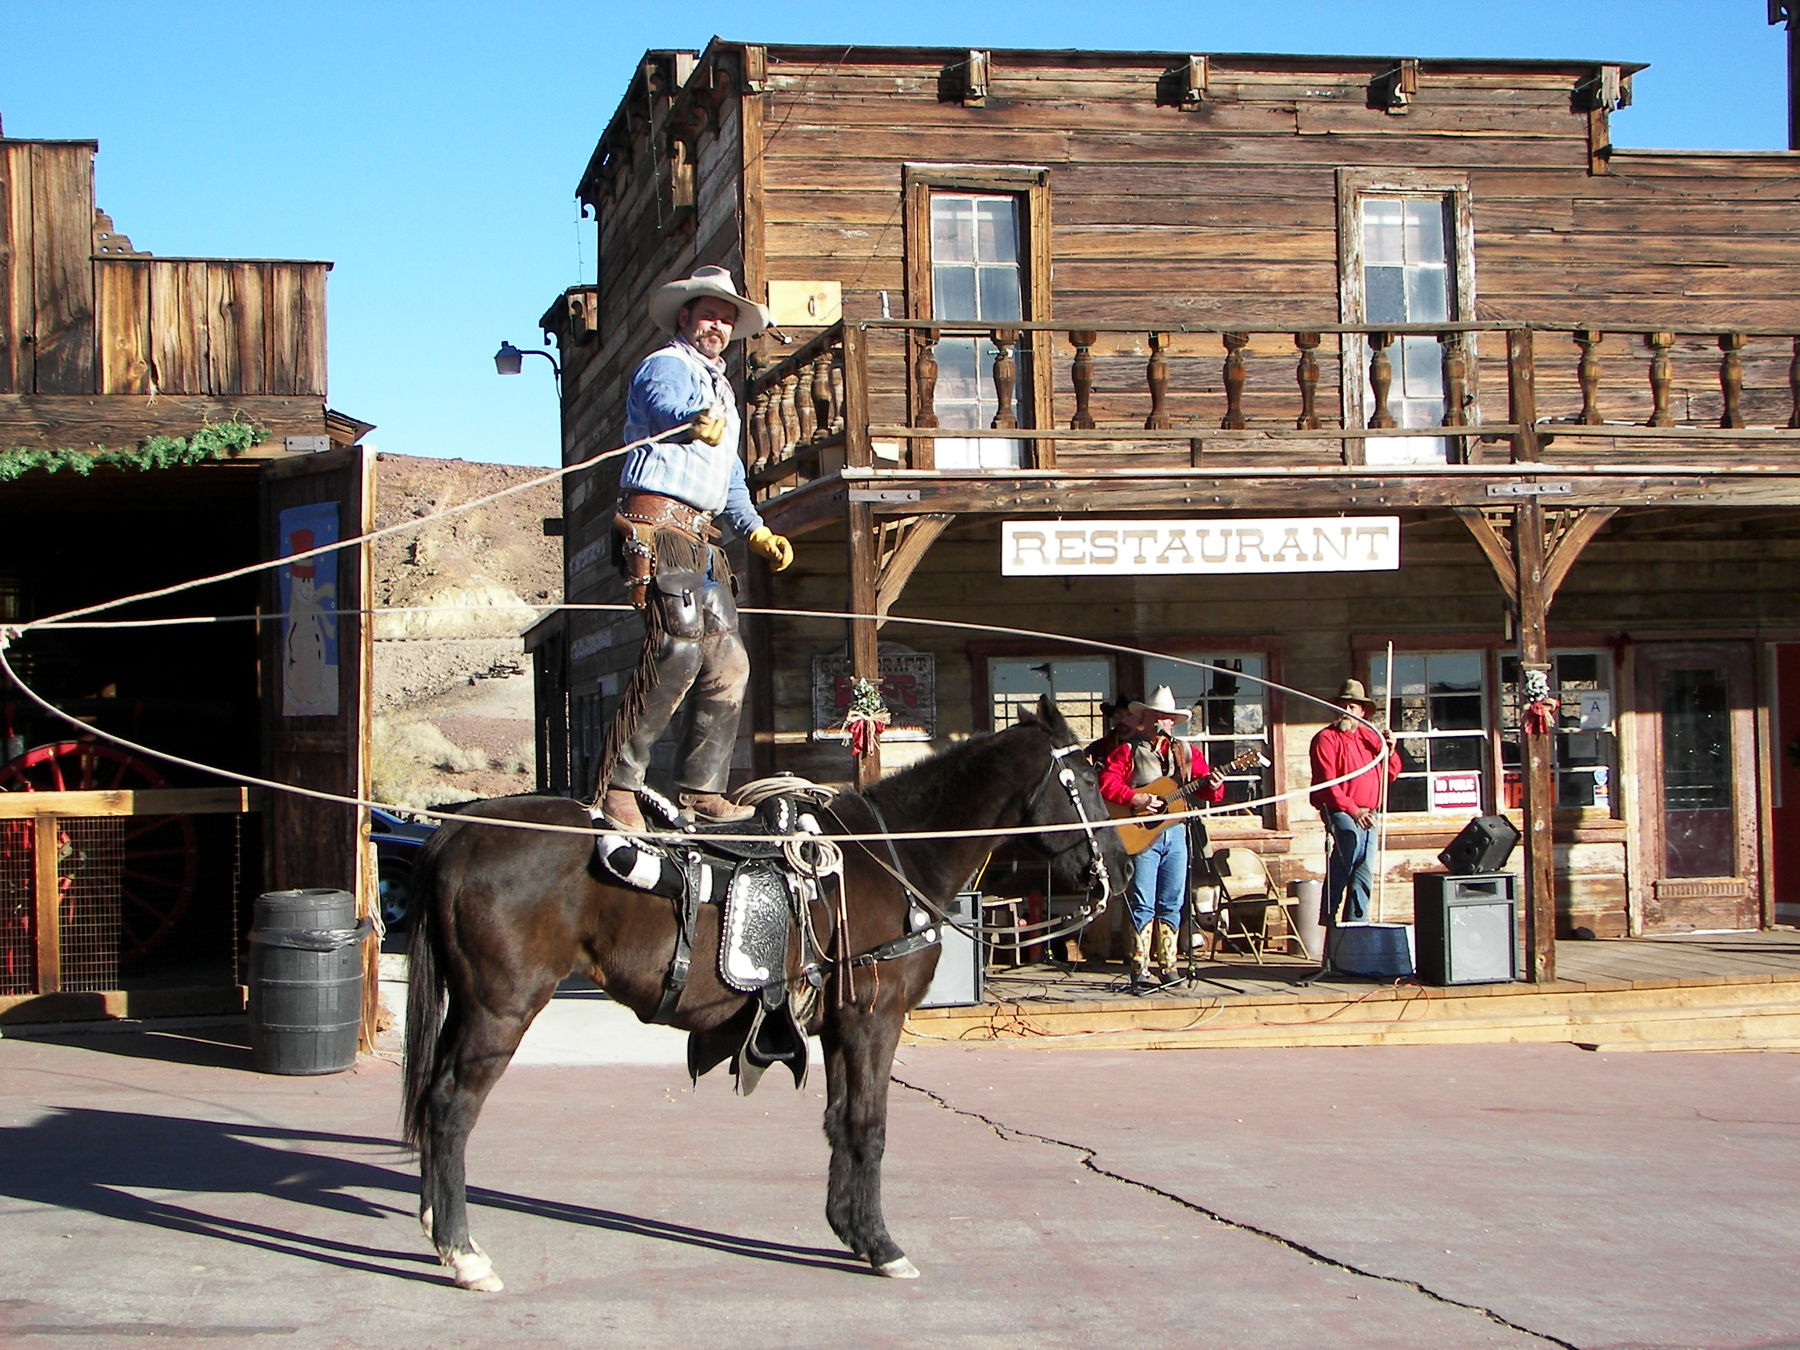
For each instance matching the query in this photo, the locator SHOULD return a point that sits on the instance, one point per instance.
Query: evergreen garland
(213, 441)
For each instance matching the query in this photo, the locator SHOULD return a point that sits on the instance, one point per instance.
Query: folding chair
(1246, 891)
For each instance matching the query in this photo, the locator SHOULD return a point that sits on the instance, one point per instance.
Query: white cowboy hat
(665, 305)
(1162, 703)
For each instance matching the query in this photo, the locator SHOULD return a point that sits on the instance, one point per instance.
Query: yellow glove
(709, 426)
(772, 546)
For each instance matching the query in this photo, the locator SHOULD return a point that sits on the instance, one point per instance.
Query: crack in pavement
(1088, 1155)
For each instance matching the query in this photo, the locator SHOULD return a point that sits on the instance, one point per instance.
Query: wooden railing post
(1234, 375)
(1794, 386)
(1534, 745)
(803, 405)
(1731, 378)
(1083, 377)
(925, 380)
(1306, 375)
(1156, 373)
(1006, 378)
(1521, 392)
(47, 897)
(821, 392)
(1381, 380)
(1456, 389)
(1588, 373)
(858, 453)
(1661, 376)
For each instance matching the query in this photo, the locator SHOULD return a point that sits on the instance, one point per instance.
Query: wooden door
(1697, 792)
(1784, 778)
(315, 670)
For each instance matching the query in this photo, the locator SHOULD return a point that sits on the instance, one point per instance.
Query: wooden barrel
(306, 981)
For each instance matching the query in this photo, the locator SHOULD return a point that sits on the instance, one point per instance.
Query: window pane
(1407, 794)
(952, 230)
(1452, 753)
(997, 230)
(1425, 231)
(1381, 231)
(1462, 713)
(1421, 370)
(999, 293)
(958, 375)
(953, 293)
(1385, 294)
(1427, 300)
(1455, 673)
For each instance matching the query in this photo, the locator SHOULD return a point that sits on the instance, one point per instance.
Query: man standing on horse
(1159, 874)
(675, 575)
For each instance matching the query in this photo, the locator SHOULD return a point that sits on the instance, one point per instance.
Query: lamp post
(509, 360)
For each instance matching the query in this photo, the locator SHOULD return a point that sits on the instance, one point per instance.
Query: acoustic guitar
(1178, 796)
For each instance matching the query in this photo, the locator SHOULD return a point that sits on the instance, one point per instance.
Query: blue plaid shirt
(670, 386)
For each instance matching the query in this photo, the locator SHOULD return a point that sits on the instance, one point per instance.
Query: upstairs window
(975, 274)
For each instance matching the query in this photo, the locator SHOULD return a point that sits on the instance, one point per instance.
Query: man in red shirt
(1348, 808)
(1158, 874)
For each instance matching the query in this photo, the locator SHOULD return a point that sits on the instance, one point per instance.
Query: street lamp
(510, 359)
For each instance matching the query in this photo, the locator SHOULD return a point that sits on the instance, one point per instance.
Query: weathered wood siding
(46, 282)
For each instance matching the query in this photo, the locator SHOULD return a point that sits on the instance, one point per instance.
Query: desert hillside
(452, 697)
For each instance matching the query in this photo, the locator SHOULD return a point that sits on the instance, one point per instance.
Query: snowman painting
(309, 666)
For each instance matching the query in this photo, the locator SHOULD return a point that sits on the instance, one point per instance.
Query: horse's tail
(426, 991)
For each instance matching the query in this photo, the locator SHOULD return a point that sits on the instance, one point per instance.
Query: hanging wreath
(866, 717)
(1541, 706)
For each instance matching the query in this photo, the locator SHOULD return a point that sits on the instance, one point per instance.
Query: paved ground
(152, 1187)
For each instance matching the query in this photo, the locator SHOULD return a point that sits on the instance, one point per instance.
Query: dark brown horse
(505, 914)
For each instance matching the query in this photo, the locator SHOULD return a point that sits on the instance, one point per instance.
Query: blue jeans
(1349, 881)
(1159, 880)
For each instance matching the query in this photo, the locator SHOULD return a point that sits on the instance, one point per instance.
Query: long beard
(1346, 723)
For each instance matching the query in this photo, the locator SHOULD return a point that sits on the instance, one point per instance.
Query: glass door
(1698, 798)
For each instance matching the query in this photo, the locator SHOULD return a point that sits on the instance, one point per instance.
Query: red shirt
(1336, 753)
(1121, 767)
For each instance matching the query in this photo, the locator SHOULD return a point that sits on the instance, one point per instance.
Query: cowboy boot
(1166, 960)
(713, 809)
(620, 807)
(1140, 961)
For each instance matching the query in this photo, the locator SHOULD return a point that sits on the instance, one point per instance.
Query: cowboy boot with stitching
(714, 809)
(620, 807)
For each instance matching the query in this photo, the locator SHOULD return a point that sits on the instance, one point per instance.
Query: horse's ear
(1051, 718)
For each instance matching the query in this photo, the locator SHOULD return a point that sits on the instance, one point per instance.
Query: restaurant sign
(1061, 548)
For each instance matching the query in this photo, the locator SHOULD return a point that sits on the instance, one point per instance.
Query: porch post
(1534, 747)
(859, 521)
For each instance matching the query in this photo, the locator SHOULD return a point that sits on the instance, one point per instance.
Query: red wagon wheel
(159, 855)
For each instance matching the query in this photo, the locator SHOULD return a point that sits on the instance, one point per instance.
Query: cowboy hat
(665, 305)
(1353, 692)
(1162, 703)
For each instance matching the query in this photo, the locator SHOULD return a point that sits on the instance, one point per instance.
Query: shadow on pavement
(222, 1047)
(77, 1158)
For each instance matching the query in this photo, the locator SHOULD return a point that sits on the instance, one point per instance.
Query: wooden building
(1222, 293)
(125, 881)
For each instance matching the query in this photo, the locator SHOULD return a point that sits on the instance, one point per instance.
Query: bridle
(1099, 875)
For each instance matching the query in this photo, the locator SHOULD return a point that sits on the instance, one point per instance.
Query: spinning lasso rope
(79, 619)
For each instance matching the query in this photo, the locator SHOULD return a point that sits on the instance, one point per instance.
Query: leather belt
(651, 508)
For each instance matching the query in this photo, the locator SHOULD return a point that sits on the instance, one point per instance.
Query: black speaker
(1466, 928)
(1484, 845)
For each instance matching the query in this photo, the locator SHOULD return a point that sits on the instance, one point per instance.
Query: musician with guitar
(1133, 779)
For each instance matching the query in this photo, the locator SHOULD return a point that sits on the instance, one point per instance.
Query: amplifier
(957, 980)
(1467, 928)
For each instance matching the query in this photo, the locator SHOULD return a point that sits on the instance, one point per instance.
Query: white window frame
(1078, 721)
(1567, 724)
(1258, 781)
(1352, 186)
(1481, 735)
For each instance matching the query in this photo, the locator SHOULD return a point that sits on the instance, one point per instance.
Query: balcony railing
(1113, 397)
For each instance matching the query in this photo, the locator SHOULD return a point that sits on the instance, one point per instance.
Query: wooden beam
(1498, 551)
(865, 660)
(1576, 536)
(1539, 782)
(47, 893)
(143, 802)
(917, 535)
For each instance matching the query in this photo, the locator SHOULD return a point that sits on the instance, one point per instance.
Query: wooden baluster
(1234, 381)
(1157, 374)
(1381, 380)
(1731, 378)
(821, 393)
(1084, 379)
(1661, 375)
(925, 376)
(790, 417)
(756, 446)
(1306, 375)
(1006, 374)
(1588, 373)
(837, 390)
(772, 428)
(1456, 380)
(803, 405)
(1794, 386)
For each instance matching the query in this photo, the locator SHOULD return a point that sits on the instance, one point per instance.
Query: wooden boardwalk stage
(1696, 991)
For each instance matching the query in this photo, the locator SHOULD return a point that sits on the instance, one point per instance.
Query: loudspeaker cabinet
(1466, 927)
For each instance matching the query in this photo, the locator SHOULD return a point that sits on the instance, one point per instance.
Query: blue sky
(431, 150)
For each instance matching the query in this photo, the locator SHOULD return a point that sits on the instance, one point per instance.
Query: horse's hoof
(473, 1270)
(898, 1269)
